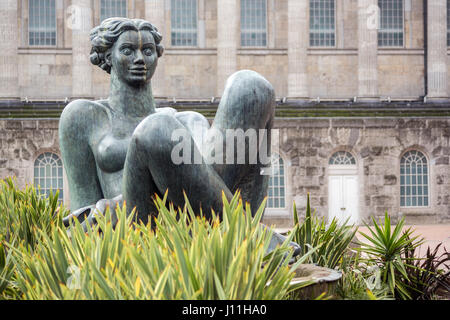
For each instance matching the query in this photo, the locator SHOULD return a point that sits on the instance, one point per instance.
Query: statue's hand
(87, 215)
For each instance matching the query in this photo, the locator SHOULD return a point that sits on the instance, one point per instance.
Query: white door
(343, 198)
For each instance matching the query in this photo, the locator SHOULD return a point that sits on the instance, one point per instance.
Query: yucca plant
(385, 248)
(22, 212)
(185, 257)
(331, 240)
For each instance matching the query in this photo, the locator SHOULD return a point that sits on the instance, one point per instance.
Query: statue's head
(128, 47)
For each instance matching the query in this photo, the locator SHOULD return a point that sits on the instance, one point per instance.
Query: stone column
(368, 15)
(227, 40)
(298, 39)
(155, 14)
(437, 50)
(81, 46)
(9, 61)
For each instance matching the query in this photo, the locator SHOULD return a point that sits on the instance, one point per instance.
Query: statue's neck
(131, 101)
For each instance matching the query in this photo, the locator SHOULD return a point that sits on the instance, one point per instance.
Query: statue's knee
(154, 133)
(248, 81)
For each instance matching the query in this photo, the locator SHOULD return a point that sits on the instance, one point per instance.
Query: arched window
(322, 23)
(390, 33)
(42, 23)
(48, 174)
(277, 185)
(184, 23)
(342, 158)
(113, 8)
(414, 180)
(253, 23)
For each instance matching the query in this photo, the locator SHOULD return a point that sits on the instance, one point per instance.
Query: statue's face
(134, 58)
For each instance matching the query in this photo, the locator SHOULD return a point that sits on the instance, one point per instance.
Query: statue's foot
(87, 215)
(278, 240)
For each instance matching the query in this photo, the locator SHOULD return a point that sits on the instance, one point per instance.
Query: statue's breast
(111, 153)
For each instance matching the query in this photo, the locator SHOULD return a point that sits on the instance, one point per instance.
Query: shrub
(331, 241)
(385, 248)
(185, 257)
(22, 214)
(428, 276)
(360, 281)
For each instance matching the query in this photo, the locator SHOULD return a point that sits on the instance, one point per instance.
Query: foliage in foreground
(331, 240)
(386, 247)
(428, 277)
(360, 281)
(186, 257)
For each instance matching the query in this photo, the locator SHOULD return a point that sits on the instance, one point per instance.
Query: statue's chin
(140, 81)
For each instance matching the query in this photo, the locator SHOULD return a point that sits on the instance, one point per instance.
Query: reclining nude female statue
(120, 149)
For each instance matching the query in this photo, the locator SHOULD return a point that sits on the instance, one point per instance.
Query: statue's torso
(111, 138)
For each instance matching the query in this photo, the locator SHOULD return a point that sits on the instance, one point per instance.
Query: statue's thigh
(248, 102)
(247, 110)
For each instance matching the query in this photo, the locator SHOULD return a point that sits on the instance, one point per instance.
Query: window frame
(100, 10)
(196, 45)
(285, 207)
(29, 28)
(428, 185)
(266, 31)
(37, 166)
(448, 23)
(334, 29)
(403, 45)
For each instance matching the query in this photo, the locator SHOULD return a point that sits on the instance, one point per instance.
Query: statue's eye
(126, 51)
(148, 51)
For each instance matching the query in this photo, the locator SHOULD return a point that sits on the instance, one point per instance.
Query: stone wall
(21, 142)
(401, 75)
(306, 145)
(377, 144)
(45, 75)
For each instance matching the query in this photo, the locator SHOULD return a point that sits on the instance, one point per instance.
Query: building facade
(362, 91)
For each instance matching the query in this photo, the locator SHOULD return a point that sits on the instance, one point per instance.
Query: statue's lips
(139, 70)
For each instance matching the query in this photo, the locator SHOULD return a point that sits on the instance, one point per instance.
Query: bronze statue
(120, 149)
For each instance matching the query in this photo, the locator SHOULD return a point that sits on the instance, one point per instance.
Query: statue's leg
(150, 168)
(248, 103)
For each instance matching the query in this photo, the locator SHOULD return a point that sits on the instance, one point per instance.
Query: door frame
(344, 170)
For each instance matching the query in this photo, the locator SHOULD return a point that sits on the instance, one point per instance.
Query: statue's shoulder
(82, 114)
(84, 108)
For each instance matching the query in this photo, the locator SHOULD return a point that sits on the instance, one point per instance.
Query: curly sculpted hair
(103, 38)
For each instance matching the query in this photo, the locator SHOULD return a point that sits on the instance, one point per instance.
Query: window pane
(48, 174)
(448, 23)
(113, 8)
(322, 23)
(42, 23)
(342, 158)
(390, 33)
(276, 190)
(184, 22)
(253, 23)
(413, 179)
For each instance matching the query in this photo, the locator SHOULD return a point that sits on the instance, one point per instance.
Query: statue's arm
(75, 134)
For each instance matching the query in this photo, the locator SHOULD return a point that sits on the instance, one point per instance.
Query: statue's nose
(139, 57)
